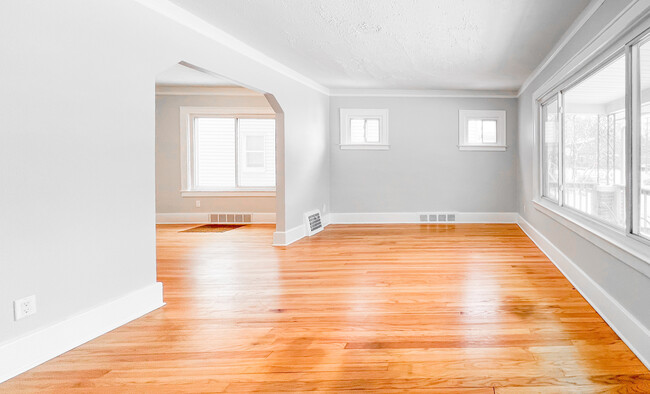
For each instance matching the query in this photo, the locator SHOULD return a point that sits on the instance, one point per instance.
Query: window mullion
(237, 141)
(560, 153)
(632, 138)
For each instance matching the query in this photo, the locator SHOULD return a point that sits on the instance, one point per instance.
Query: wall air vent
(313, 223)
(236, 218)
(437, 217)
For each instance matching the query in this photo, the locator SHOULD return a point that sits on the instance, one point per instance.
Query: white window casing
(364, 129)
(482, 130)
(227, 152)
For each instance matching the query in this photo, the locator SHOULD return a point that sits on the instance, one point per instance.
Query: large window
(230, 153)
(595, 142)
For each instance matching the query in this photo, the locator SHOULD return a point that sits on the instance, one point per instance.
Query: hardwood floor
(436, 308)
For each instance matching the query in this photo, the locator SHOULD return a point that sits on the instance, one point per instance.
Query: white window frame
(618, 38)
(464, 116)
(348, 114)
(187, 114)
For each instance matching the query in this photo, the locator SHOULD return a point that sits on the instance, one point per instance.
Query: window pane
(489, 131)
(256, 153)
(372, 131)
(357, 131)
(643, 210)
(550, 149)
(214, 153)
(594, 162)
(255, 143)
(475, 131)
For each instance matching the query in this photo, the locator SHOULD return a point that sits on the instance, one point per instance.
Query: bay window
(594, 142)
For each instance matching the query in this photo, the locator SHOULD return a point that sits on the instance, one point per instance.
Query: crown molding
(423, 93)
(193, 22)
(177, 90)
(584, 16)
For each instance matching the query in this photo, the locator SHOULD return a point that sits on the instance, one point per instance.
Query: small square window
(364, 129)
(482, 130)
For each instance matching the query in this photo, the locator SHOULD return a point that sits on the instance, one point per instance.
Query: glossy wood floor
(436, 308)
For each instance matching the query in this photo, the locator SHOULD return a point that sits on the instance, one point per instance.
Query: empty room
(445, 196)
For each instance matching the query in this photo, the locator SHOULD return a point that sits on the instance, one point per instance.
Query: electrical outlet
(198, 203)
(24, 307)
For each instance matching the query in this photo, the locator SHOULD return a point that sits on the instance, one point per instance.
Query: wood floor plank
(465, 308)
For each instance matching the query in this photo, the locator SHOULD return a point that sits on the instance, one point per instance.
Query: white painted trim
(364, 147)
(465, 115)
(204, 217)
(414, 217)
(492, 148)
(173, 90)
(228, 193)
(627, 249)
(193, 22)
(267, 112)
(423, 93)
(584, 16)
(284, 238)
(635, 335)
(346, 115)
(613, 31)
(35, 348)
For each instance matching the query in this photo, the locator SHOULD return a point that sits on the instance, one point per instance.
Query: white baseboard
(39, 346)
(204, 217)
(635, 335)
(284, 238)
(414, 217)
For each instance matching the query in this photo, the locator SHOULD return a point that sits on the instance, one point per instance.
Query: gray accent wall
(423, 171)
(629, 287)
(168, 165)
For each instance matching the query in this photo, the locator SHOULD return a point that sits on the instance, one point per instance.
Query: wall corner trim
(635, 335)
(37, 347)
(193, 22)
(577, 24)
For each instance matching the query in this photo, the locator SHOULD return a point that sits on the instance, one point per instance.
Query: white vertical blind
(214, 153)
(256, 158)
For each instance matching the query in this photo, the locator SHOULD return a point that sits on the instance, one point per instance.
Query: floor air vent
(313, 222)
(437, 217)
(238, 218)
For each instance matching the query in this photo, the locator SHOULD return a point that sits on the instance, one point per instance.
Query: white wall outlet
(24, 307)
(198, 203)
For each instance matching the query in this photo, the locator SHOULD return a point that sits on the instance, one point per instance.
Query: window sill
(490, 148)
(228, 193)
(365, 147)
(630, 249)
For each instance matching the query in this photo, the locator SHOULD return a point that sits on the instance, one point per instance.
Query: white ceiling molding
(193, 22)
(163, 90)
(584, 16)
(423, 93)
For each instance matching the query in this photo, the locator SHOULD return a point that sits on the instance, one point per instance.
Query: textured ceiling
(399, 44)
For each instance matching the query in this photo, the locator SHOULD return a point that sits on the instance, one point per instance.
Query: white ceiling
(179, 75)
(399, 44)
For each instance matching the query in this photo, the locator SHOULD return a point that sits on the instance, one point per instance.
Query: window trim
(187, 114)
(629, 248)
(465, 115)
(347, 114)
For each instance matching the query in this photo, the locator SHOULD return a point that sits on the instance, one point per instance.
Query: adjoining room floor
(466, 308)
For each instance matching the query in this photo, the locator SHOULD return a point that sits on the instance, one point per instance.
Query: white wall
(77, 148)
(423, 171)
(168, 166)
(625, 285)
